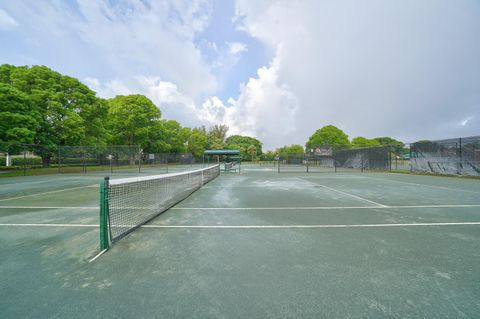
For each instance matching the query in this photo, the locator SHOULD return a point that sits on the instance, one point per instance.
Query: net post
(104, 240)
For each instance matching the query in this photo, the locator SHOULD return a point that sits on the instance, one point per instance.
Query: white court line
(344, 193)
(50, 225)
(261, 226)
(425, 185)
(325, 207)
(98, 255)
(312, 226)
(49, 207)
(259, 208)
(44, 193)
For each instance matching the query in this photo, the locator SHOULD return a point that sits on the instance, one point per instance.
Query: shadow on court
(259, 245)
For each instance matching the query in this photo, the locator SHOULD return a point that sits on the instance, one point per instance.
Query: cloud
(121, 39)
(174, 104)
(265, 109)
(108, 89)
(6, 21)
(407, 69)
(236, 47)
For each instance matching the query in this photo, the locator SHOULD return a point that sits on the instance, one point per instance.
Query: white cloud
(174, 104)
(405, 69)
(121, 39)
(236, 47)
(108, 89)
(6, 21)
(265, 109)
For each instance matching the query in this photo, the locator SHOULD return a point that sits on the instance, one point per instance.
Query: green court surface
(253, 245)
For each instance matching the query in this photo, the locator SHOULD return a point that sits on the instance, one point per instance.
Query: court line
(49, 207)
(326, 207)
(260, 208)
(426, 185)
(44, 193)
(261, 226)
(344, 193)
(49, 225)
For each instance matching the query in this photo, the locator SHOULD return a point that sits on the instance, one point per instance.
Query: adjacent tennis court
(260, 244)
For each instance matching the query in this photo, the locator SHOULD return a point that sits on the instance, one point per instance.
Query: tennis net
(126, 204)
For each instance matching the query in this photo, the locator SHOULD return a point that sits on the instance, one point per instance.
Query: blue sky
(277, 70)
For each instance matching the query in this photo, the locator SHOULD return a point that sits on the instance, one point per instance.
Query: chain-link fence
(383, 158)
(44, 159)
(27, 159)
(458, 156)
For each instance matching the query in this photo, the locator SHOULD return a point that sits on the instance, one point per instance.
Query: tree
(328, 135)
(132, 120)
(361, 141)
(269, 156)
(252, 151)
(17, 123)
(66, 111)
(216, 137)
(219, 132)
(292, 151)
(197, 140)
(242, 143)
(175, 136)
(395, 145)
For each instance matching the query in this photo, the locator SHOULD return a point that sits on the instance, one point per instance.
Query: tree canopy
(131, 120)
(17, 123)
(66, 111)
(361, 141)
(292, 151)
(249, 146)
(328, 135)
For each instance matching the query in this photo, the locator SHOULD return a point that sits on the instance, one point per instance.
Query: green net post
(104, 241)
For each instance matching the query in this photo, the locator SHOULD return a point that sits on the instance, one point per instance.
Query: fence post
(24, 161)
(361, 160)
(58, 159)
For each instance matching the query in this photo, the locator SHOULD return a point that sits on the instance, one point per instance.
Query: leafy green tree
(328, 135)
(396, 146)
(17, 123)
(292, 151)
(361, 141)
(242, 143)
(219, 132)
(66, 111)
(216, 137)
(269, 155)
(252, 152)
(133, 120)
(197, 140)
(175, 136)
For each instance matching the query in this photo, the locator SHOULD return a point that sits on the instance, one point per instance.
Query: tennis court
(260, 244)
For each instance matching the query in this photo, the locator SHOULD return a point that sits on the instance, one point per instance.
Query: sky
(277, 70)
